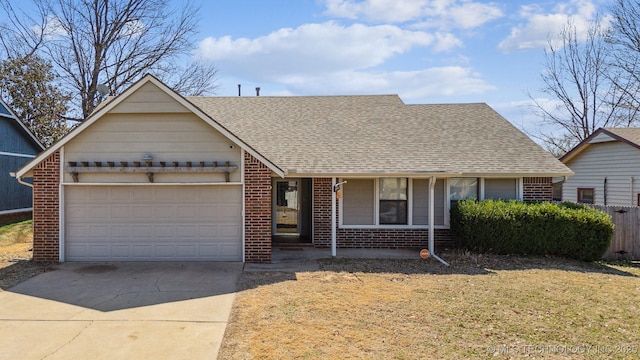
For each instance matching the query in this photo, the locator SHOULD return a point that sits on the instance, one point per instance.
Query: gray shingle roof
(630, 134)
(379, 134)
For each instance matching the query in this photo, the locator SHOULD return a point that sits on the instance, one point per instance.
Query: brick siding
(257, 188)
(537, 189)
(366, 238)
(46, 200)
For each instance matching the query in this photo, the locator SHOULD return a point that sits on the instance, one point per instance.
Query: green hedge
(567, 229)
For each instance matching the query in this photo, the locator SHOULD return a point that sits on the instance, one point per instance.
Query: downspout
(432, 192)
(333, 217)
(631, 197)
(605, 192)
(20, 180)
(560, 183)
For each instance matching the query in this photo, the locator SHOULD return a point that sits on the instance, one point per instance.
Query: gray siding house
(606, 167)
(17, 147)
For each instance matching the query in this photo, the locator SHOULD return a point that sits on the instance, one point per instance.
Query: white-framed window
(391, 203)
(404, 202)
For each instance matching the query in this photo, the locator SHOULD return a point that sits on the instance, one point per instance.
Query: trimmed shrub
(567, 230)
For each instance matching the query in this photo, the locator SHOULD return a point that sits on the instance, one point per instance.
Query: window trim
(410, 225)
(407, 222)
(376, 208)
(593, 195)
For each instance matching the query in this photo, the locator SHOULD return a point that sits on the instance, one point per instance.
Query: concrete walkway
(119, 311)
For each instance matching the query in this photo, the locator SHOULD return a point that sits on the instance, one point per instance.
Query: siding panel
(358, 202)
(167, 137)
(421, 202)
(619, 163)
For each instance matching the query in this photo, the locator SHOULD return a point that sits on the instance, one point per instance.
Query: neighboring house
(17, 147)
(606, 167)
(152, 175)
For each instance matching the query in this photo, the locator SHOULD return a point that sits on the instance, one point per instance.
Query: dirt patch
(16, 265)
(16, 245)
(481, 307)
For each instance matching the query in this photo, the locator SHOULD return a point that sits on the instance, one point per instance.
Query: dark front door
(291, 210)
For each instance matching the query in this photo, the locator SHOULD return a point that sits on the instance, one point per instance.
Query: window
(585, 195)
(358, 202)
(500, 189)
(393, 201)
(463, 188)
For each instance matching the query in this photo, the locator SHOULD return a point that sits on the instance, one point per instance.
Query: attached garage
(153, 223)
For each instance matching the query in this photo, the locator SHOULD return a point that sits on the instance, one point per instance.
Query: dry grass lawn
(16, 243)
(481, 307)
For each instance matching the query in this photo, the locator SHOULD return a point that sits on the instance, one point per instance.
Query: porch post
(432, 192)
(432, 185)
(333, 217)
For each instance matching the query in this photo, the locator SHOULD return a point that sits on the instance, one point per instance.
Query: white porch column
(432, 192)
(432, 186)
(333, 217)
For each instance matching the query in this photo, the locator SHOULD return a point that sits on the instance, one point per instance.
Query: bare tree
(625, 38)
(111, 42)
(583, 88)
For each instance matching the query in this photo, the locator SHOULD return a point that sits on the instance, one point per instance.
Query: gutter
(12, 174)
(432, 251)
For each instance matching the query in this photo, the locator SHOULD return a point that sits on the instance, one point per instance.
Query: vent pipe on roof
(258, 91)
(239, 91)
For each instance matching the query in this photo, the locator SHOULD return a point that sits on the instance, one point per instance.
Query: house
(152, 175)
(607, 168)
(17, 146)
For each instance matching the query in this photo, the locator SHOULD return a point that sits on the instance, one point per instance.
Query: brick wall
(537, 189)
(257, 178)
(322, 212)
(46, 200)
(365, 238)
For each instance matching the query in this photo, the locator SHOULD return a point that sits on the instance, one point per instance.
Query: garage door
(153, 223)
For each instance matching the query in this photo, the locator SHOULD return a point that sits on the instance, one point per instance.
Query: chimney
(258, 91)
(239, 92)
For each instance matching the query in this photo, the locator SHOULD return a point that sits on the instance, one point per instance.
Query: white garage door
(153, 223)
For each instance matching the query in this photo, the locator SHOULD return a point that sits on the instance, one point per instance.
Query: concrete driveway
(119, 311)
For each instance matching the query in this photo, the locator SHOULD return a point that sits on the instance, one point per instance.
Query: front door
(287, 207)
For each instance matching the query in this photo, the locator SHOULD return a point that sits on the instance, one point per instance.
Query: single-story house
(17, 147)
(152, 175)
(607, 168)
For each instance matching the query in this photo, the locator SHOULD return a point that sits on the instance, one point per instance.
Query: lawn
(481, 307)
(16, 243)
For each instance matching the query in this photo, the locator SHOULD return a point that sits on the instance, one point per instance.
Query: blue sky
(426, 51)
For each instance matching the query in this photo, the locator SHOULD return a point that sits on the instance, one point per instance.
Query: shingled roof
(630, 136)
(379, 134)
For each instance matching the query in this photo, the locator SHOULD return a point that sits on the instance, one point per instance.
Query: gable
(172, 137)
(149, 98)
(155, 98)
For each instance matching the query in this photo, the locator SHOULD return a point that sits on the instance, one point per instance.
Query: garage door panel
(153, 223)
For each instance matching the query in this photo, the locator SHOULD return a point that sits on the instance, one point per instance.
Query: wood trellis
(148, 167)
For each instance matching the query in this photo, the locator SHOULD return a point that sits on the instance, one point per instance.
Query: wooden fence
(625, 243)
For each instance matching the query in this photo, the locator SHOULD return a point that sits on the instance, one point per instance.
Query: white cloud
(318, 49)
(540, 26)
(442, 14)
(434, 82)
(52, 28)
(329, 58)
